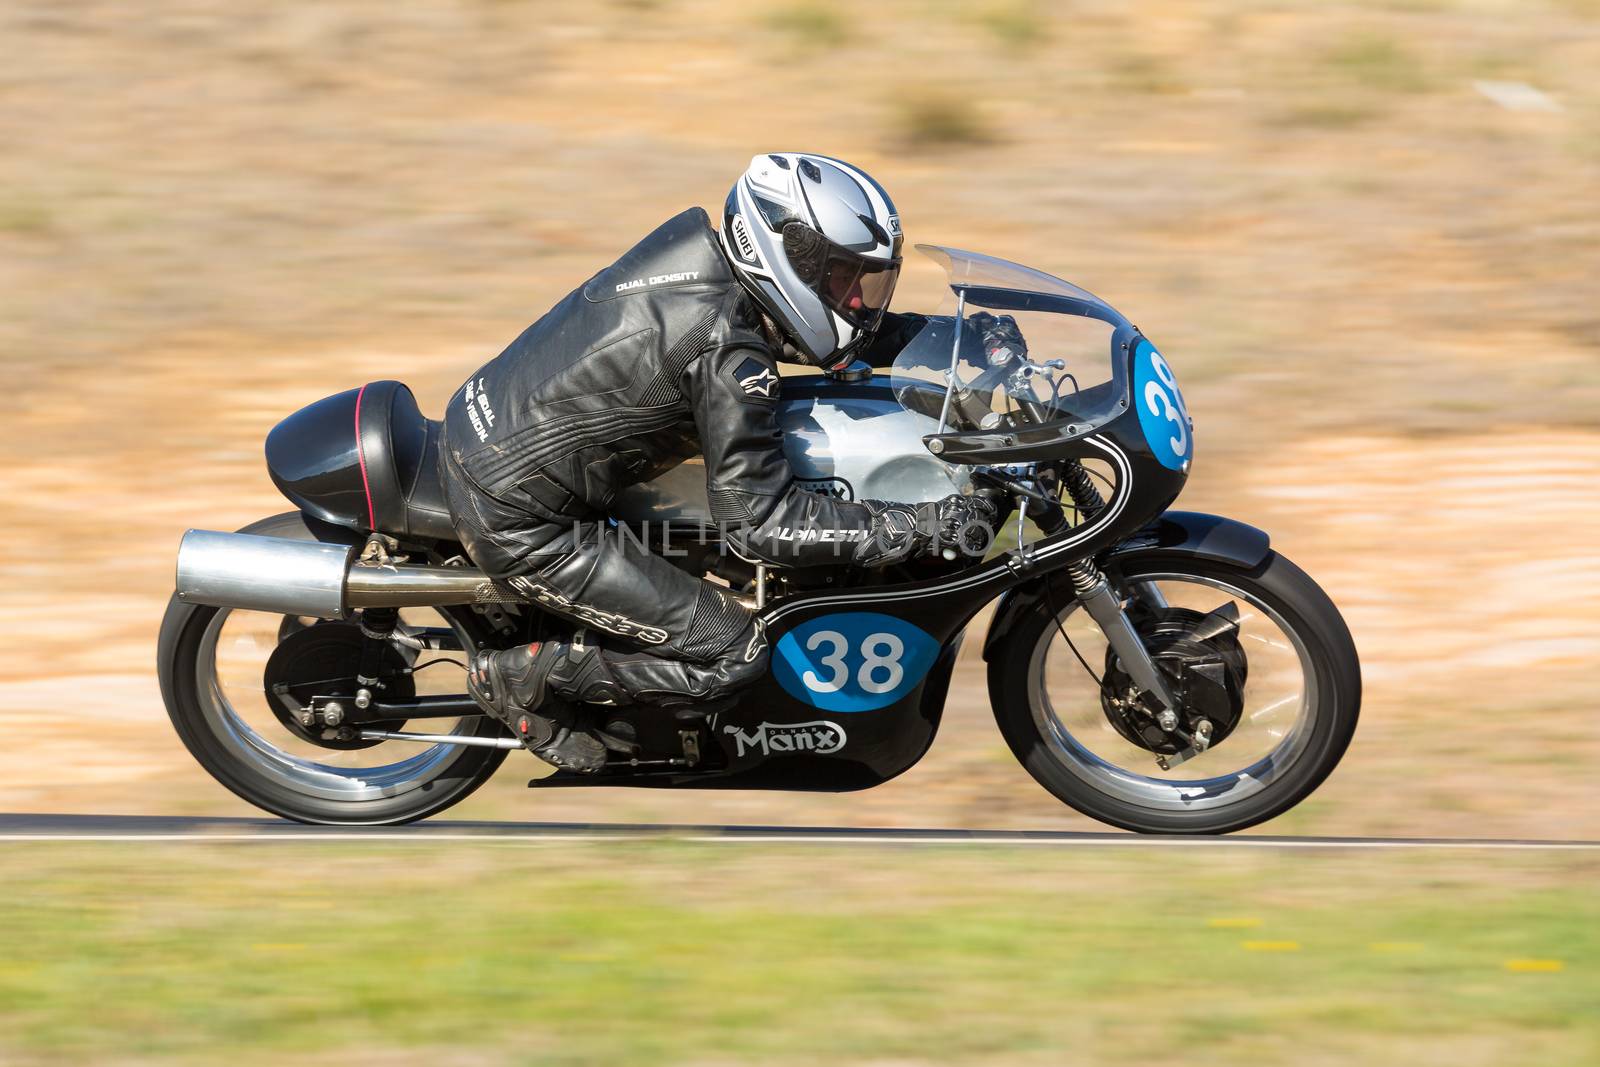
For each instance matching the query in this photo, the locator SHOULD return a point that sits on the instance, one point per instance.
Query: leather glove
(966, 524)
(1000, 336)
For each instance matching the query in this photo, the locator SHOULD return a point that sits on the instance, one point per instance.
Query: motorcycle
(1161, 671)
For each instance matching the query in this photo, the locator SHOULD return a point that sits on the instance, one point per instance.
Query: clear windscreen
(1026, 348)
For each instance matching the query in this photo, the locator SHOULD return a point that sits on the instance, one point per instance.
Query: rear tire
(1015, 675)
(181, 654)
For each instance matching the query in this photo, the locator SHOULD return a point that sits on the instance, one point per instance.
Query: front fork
(1094, 591)
(1105, 608)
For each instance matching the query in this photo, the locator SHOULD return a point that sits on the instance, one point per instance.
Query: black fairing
(366, 459)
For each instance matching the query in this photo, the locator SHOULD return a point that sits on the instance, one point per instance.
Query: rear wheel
(1285, 703)
(213, 664)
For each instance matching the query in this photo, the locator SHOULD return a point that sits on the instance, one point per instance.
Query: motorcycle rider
(670, 352)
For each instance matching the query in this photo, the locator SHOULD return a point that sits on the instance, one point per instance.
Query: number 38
(1168, 403)
(880, 669)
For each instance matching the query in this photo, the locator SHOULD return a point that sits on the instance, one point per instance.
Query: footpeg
(577, 751)
(619, 737)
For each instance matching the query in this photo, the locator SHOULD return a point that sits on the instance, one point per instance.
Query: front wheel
(1286, 705)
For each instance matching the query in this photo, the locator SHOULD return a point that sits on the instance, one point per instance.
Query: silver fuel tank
(850, 439)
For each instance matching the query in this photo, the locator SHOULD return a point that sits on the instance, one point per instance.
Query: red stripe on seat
(361, 457)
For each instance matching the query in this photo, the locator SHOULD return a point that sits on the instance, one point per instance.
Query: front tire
(423, 782)
(1140, 798)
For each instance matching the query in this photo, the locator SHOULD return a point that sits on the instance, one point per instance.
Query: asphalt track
(161, 828)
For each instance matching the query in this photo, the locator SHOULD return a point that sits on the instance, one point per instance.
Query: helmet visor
(858, 288)
(855, 287)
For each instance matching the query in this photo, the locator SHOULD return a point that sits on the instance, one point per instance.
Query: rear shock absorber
(378, 627)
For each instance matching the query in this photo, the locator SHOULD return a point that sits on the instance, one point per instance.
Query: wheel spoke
(1273, 725)
(233, 651)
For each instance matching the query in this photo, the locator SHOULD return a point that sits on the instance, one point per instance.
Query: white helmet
(817, 244)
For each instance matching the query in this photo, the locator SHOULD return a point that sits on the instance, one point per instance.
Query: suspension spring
(1081, 488)
(1086, 577)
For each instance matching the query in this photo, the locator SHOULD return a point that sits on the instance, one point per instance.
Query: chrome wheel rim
(260, 747)
(1086, 745)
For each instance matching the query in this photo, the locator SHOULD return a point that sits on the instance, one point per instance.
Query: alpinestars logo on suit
(756, 379)
(759, 384)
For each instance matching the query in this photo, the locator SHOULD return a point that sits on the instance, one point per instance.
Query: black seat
(399, 451)
(365, 459)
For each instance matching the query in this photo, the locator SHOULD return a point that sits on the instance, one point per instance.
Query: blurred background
(1366, 234)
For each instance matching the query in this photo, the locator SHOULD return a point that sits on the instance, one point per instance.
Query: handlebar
(1003, 375)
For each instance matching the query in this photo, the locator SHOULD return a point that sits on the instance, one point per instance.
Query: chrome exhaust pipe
(289, 577)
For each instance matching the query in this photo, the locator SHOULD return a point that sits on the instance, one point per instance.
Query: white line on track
(988, 841)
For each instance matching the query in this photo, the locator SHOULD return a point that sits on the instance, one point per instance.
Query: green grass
(670, 953)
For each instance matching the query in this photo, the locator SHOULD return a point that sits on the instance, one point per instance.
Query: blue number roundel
(853, 661)
(1162, 414)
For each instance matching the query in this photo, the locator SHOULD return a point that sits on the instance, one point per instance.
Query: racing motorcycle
(1158, 670)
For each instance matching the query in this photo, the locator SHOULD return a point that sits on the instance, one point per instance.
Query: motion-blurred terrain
(1366, 234)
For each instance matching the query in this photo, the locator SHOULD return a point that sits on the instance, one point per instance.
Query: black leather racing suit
(657, 358)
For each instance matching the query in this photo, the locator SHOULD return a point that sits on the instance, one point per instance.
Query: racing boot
(514, 685)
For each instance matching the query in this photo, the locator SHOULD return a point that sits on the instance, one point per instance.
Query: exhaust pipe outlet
(289, 577)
